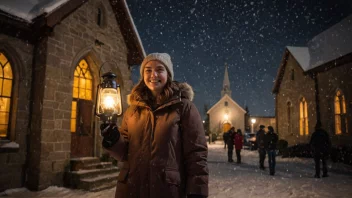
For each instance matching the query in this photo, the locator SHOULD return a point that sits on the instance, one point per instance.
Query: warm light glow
(109, 101)
(226, 116)
(253, 120)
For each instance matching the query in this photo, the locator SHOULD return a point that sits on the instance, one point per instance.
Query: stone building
(51, 53)
(314, 83)
(226, 112)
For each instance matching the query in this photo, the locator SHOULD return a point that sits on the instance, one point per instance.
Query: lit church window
(6, 82)
(303, 117)
(82, 89)
(340, 114)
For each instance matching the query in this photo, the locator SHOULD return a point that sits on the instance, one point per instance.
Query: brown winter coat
(164, 151)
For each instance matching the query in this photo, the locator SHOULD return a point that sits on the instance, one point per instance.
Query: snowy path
(293, 179)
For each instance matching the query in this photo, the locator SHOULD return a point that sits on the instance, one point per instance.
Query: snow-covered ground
(293, 178)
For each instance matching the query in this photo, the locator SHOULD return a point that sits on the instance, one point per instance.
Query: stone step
(81, 162)
(99, 165)
(99, 182)
(73, 178)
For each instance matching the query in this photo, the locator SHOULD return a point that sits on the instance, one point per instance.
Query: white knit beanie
(164, 58)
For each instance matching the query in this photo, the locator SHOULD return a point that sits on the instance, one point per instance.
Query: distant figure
(260, 137)
(238, 144)
(225, 137)
(230, 143)
(271, 139)
(320, 144)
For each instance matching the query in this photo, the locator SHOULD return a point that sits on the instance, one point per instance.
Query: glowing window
(340, 113)
(303, 117)
(6, 82)
(82, 89)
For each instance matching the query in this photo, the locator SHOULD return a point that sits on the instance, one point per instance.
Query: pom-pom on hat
(164, 58)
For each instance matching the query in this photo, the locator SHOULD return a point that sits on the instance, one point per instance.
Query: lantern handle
(102, 67)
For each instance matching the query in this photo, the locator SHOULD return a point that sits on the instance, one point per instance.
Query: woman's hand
(110, 134)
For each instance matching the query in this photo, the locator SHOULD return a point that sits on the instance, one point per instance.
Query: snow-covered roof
(331, 44)
(30, 9)
(301, 54)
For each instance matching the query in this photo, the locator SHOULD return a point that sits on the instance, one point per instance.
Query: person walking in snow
(271, 139)
(238, 139)
(320, 144)
(161, 140)
(230, 144)
(260, 138)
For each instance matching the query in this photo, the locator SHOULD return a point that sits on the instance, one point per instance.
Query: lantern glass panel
(110, 101)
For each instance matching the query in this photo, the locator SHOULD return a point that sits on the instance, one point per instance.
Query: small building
(314, 83)
(226, 112)
(51, 58)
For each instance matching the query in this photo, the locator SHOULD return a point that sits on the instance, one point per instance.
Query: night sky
(250, 36)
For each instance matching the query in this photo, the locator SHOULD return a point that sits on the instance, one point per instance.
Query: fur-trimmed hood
(181, 90)
(186, 91)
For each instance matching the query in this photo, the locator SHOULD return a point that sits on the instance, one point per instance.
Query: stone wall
(329, 82)
(292, 91)
(73, 39)
(12, 160)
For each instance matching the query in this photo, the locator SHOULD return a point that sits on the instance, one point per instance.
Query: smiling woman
(161, 141)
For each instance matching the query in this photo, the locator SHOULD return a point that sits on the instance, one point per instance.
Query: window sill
(7, 146)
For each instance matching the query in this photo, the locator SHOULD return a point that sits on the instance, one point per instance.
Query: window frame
(10, 133)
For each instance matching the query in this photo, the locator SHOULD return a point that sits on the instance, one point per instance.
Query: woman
(238, 139)
(161, 141)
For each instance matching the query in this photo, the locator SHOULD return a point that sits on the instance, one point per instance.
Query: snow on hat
(164, 58)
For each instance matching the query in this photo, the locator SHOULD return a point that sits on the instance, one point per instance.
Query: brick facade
(54, 59)
(291, 91)
(19, 54)
(337, 78)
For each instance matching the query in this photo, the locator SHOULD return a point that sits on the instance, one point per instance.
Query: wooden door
(82, 141)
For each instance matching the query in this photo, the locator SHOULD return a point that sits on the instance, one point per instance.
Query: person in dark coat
(260, 138)
(230, 143)
(238, 139)
(161, 141)
(320, 144)
(225, 137)
(271, 139)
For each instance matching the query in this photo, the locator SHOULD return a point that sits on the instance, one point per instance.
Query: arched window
(303, 117)
(226, 104)
(340, 114)
(6, 83)
(82, 89)
(289, 117)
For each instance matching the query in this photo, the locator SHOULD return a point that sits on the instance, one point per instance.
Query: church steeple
(226, 84)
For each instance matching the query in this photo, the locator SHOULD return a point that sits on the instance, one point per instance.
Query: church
(52, 55)
(226, 113)
(313, 84)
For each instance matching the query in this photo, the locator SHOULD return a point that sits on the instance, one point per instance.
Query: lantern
(108, 100)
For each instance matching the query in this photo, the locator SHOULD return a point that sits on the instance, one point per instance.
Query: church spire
(226, 84)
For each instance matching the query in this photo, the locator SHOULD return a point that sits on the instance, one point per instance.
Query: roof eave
(280, 72)
(136, 51)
